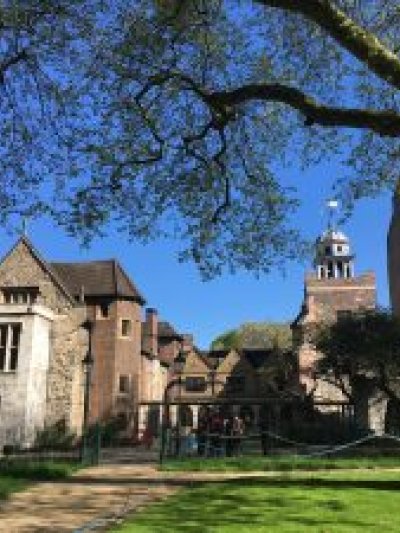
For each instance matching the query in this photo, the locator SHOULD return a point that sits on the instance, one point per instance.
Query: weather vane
(332, 206)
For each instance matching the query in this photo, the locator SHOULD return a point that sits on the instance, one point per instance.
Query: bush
(43, 471)
(10, 449)
(56, 436)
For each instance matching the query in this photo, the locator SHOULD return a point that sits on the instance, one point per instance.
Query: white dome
(333, 235)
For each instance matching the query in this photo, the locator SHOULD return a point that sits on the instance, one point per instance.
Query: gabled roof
(215, 357)
(165, 331)
(97, 278)
(47, 267)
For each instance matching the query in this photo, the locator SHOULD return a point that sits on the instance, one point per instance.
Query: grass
(334, 502)
(279, 463)
(17, 475)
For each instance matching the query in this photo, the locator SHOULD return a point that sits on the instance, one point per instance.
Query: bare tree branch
(222, 105)
(385, 123)
(20, 56)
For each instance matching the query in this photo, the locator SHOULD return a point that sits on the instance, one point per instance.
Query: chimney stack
(151, 331)
(187, 343)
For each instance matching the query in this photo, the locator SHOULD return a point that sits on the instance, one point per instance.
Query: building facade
(332, 289)
(42, 346)
(45, 309)
(234, 382)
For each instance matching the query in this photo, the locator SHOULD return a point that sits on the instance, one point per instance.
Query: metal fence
(254, 428)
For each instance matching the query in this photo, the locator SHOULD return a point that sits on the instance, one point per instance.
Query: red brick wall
(323, 299)
(128, 349)
(168, 350)
(114, 355)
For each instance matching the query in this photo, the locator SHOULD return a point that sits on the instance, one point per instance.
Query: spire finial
(24, 227)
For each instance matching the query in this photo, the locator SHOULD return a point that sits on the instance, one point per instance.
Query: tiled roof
(165, 330)
(97, 278)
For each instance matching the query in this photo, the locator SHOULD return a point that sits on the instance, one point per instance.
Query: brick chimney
(150, 338)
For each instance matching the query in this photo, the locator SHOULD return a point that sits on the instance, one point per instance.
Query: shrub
(56, 436)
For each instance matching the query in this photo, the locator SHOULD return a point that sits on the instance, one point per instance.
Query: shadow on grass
(279, 481)
(233, 506)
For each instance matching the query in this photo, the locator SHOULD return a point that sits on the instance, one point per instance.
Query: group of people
(219, 435)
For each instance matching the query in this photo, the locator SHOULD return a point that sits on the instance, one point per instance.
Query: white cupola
(333, 258)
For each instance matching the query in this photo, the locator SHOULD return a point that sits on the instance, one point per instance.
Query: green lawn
(335, 502)
(16, 475)
(278, 463)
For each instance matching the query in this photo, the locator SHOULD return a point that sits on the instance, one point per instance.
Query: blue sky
(207, 309)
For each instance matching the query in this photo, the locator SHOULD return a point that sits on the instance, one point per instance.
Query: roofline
(139, 298)
(114, 264)
(175, 336)
(44, 264)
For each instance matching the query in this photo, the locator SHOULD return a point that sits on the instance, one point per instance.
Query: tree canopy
(174, 116)
(363, 346)
(256, 335)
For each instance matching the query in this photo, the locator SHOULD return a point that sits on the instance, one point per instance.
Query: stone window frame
(9, 352)
(124, 384)
(20, 295)
(195, 384)
(126, 333)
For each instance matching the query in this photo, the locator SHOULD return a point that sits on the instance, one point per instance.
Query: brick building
(44, 307)
(236, 382)
(332, 289)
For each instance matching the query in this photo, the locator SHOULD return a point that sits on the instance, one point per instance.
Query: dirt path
(94, 498)
(87, 501)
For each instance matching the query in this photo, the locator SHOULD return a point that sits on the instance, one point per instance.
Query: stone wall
(63, 344)
(23, 391)
(65, 385)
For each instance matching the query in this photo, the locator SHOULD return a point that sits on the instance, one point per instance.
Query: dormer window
(20, 295)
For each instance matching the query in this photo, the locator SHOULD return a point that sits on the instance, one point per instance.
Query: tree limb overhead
(363, 44)
(385, 123)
